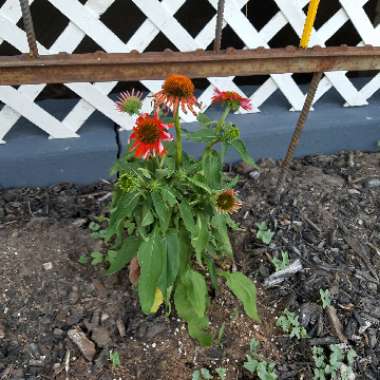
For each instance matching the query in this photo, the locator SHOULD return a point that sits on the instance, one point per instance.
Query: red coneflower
(130, 102)
(177, 91)
(231, 99)
(148, 135)
(227, 202)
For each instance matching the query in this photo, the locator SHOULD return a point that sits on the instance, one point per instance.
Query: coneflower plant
(171, 212)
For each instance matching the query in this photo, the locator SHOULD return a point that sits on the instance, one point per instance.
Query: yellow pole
(310, 20)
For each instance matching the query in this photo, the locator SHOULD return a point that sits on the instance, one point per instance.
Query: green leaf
(94, 227)
(203, 135)
(187, 216)
(185, 250)
(240, 147)
(206, 374)
(97, 258)
(171, 261)
(147, 218)
(212, 271)
(121, 210)
(190, 300)
(251, 364)
(196, 375)
(212, 169)
(221, 233)
(83, 259)
(221, 372)
(245, 290)
(124, 255)
(325, 298)
(150, 255)
(200, 237)
(162, 210)
(198, 183)
(204, 119)
(168, 197)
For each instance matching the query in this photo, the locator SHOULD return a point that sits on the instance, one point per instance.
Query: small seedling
(202, 374)
(220, 335)
(281, 264)
(288, 322)
(222, 373)
(339, 365)
(97, 258)
(83, 259)
(325, 298)
(264, 233)
(256, 366)
(114, 359)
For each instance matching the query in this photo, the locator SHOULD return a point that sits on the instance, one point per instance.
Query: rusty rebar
(298, 131)
(219, 26)
(104, 67)
(29, 28)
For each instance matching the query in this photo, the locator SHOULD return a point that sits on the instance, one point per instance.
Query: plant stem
(218, 128)
(178, 140)
(223, 118)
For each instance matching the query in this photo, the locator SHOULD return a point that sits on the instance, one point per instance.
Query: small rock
(101, 336)
(372, 337)
(121, 327)
(150, 330)
(372, 183)
(102, 359)
(2, 214)
(48, 266)
(104, 317)
(79, 222)
(74, 295)
(85, 345)
(36, 363)
(18, 374)
(243, 168)
(2, 331)
(33, 350)
(255, 174)
(58, 332)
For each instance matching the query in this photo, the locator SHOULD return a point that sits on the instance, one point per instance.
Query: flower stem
(178, 140)
(219, 128)
(222, 119)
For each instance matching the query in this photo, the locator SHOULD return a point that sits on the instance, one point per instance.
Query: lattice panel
(83, 21)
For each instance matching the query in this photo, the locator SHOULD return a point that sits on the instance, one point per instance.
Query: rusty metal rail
(98, 67)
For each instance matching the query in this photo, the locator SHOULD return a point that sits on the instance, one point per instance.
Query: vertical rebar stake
(297, 132)
(29, 28)
(219, 26)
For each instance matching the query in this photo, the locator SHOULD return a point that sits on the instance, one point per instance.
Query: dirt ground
(328, 218)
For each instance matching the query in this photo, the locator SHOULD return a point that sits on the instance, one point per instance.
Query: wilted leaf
(158, 300)
(134, 270)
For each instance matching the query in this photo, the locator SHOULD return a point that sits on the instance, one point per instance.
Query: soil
(328, 218)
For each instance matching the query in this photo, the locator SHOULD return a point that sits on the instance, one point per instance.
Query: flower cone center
(149, 133)
(226, 201)
(178, 86)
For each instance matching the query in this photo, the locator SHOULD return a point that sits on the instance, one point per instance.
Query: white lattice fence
(84, 20)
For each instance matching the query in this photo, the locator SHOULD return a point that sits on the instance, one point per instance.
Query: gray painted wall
(30, 158)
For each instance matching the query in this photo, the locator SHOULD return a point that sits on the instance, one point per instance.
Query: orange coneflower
(148, 135)
(231, 99)
(227, 202)
(177, 91)
(130, 102)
